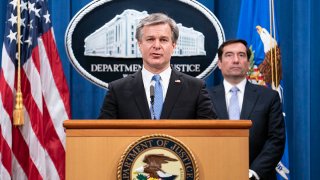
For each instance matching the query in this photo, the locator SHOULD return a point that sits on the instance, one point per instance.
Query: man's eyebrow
(232, 52)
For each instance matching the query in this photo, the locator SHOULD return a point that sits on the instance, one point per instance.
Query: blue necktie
(234, 109)
(158, 97)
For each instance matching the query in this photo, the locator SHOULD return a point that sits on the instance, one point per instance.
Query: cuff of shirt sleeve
(253, 174)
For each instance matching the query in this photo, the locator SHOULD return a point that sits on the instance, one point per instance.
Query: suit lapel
(249, 100)
(140, 95)
(174, 89)
(220, 102)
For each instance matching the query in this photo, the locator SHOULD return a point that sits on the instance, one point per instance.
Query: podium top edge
(156, 124)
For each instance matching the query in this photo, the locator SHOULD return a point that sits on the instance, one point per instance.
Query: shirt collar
(241, 86)
(165, 75)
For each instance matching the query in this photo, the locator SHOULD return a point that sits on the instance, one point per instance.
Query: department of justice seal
(157, 157)
(100, 39)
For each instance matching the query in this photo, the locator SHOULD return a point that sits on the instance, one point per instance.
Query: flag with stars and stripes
(35, 150)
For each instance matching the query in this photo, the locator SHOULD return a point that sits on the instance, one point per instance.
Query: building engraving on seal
(116, 38)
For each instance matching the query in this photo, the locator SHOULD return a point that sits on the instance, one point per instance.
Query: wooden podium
(94, 147)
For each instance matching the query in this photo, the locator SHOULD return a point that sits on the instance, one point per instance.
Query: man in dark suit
(157, 91)
(259, 104)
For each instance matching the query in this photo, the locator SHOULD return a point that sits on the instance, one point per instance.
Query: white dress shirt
(147, 81)
(227, 87)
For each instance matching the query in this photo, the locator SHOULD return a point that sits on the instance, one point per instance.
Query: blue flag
(258, 26)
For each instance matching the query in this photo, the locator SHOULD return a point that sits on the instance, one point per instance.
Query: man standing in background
(238, 99)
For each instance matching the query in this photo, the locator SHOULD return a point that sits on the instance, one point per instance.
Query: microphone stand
(152, 101)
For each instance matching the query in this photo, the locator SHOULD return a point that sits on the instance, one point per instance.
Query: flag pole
(277, 80)
(273, 60)
(18, 114)
(271, 44)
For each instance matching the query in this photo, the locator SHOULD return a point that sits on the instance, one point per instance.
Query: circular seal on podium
(156, 157)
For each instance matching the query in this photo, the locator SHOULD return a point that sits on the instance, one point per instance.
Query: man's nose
(236, 59)
(156, 44)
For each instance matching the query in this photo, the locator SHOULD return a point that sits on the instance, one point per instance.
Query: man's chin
(237, 76)
(158, 67)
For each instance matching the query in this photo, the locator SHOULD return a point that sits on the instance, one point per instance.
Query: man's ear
(174, 45)
(219, 63)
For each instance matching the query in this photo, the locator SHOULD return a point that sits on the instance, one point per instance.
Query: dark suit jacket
(262, 106)
(186, 98)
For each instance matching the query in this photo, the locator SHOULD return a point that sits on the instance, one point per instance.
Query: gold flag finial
(18, 114)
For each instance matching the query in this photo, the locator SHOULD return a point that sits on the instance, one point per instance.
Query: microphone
(152, 94)
(152, 100)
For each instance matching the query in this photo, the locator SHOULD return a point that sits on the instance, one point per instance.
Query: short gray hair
(155, 19)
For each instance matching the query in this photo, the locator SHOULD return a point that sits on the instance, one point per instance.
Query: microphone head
(151, 91)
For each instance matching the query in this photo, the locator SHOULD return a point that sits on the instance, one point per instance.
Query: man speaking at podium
(157, 91)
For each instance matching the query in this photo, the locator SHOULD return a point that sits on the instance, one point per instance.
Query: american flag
(35, 150)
